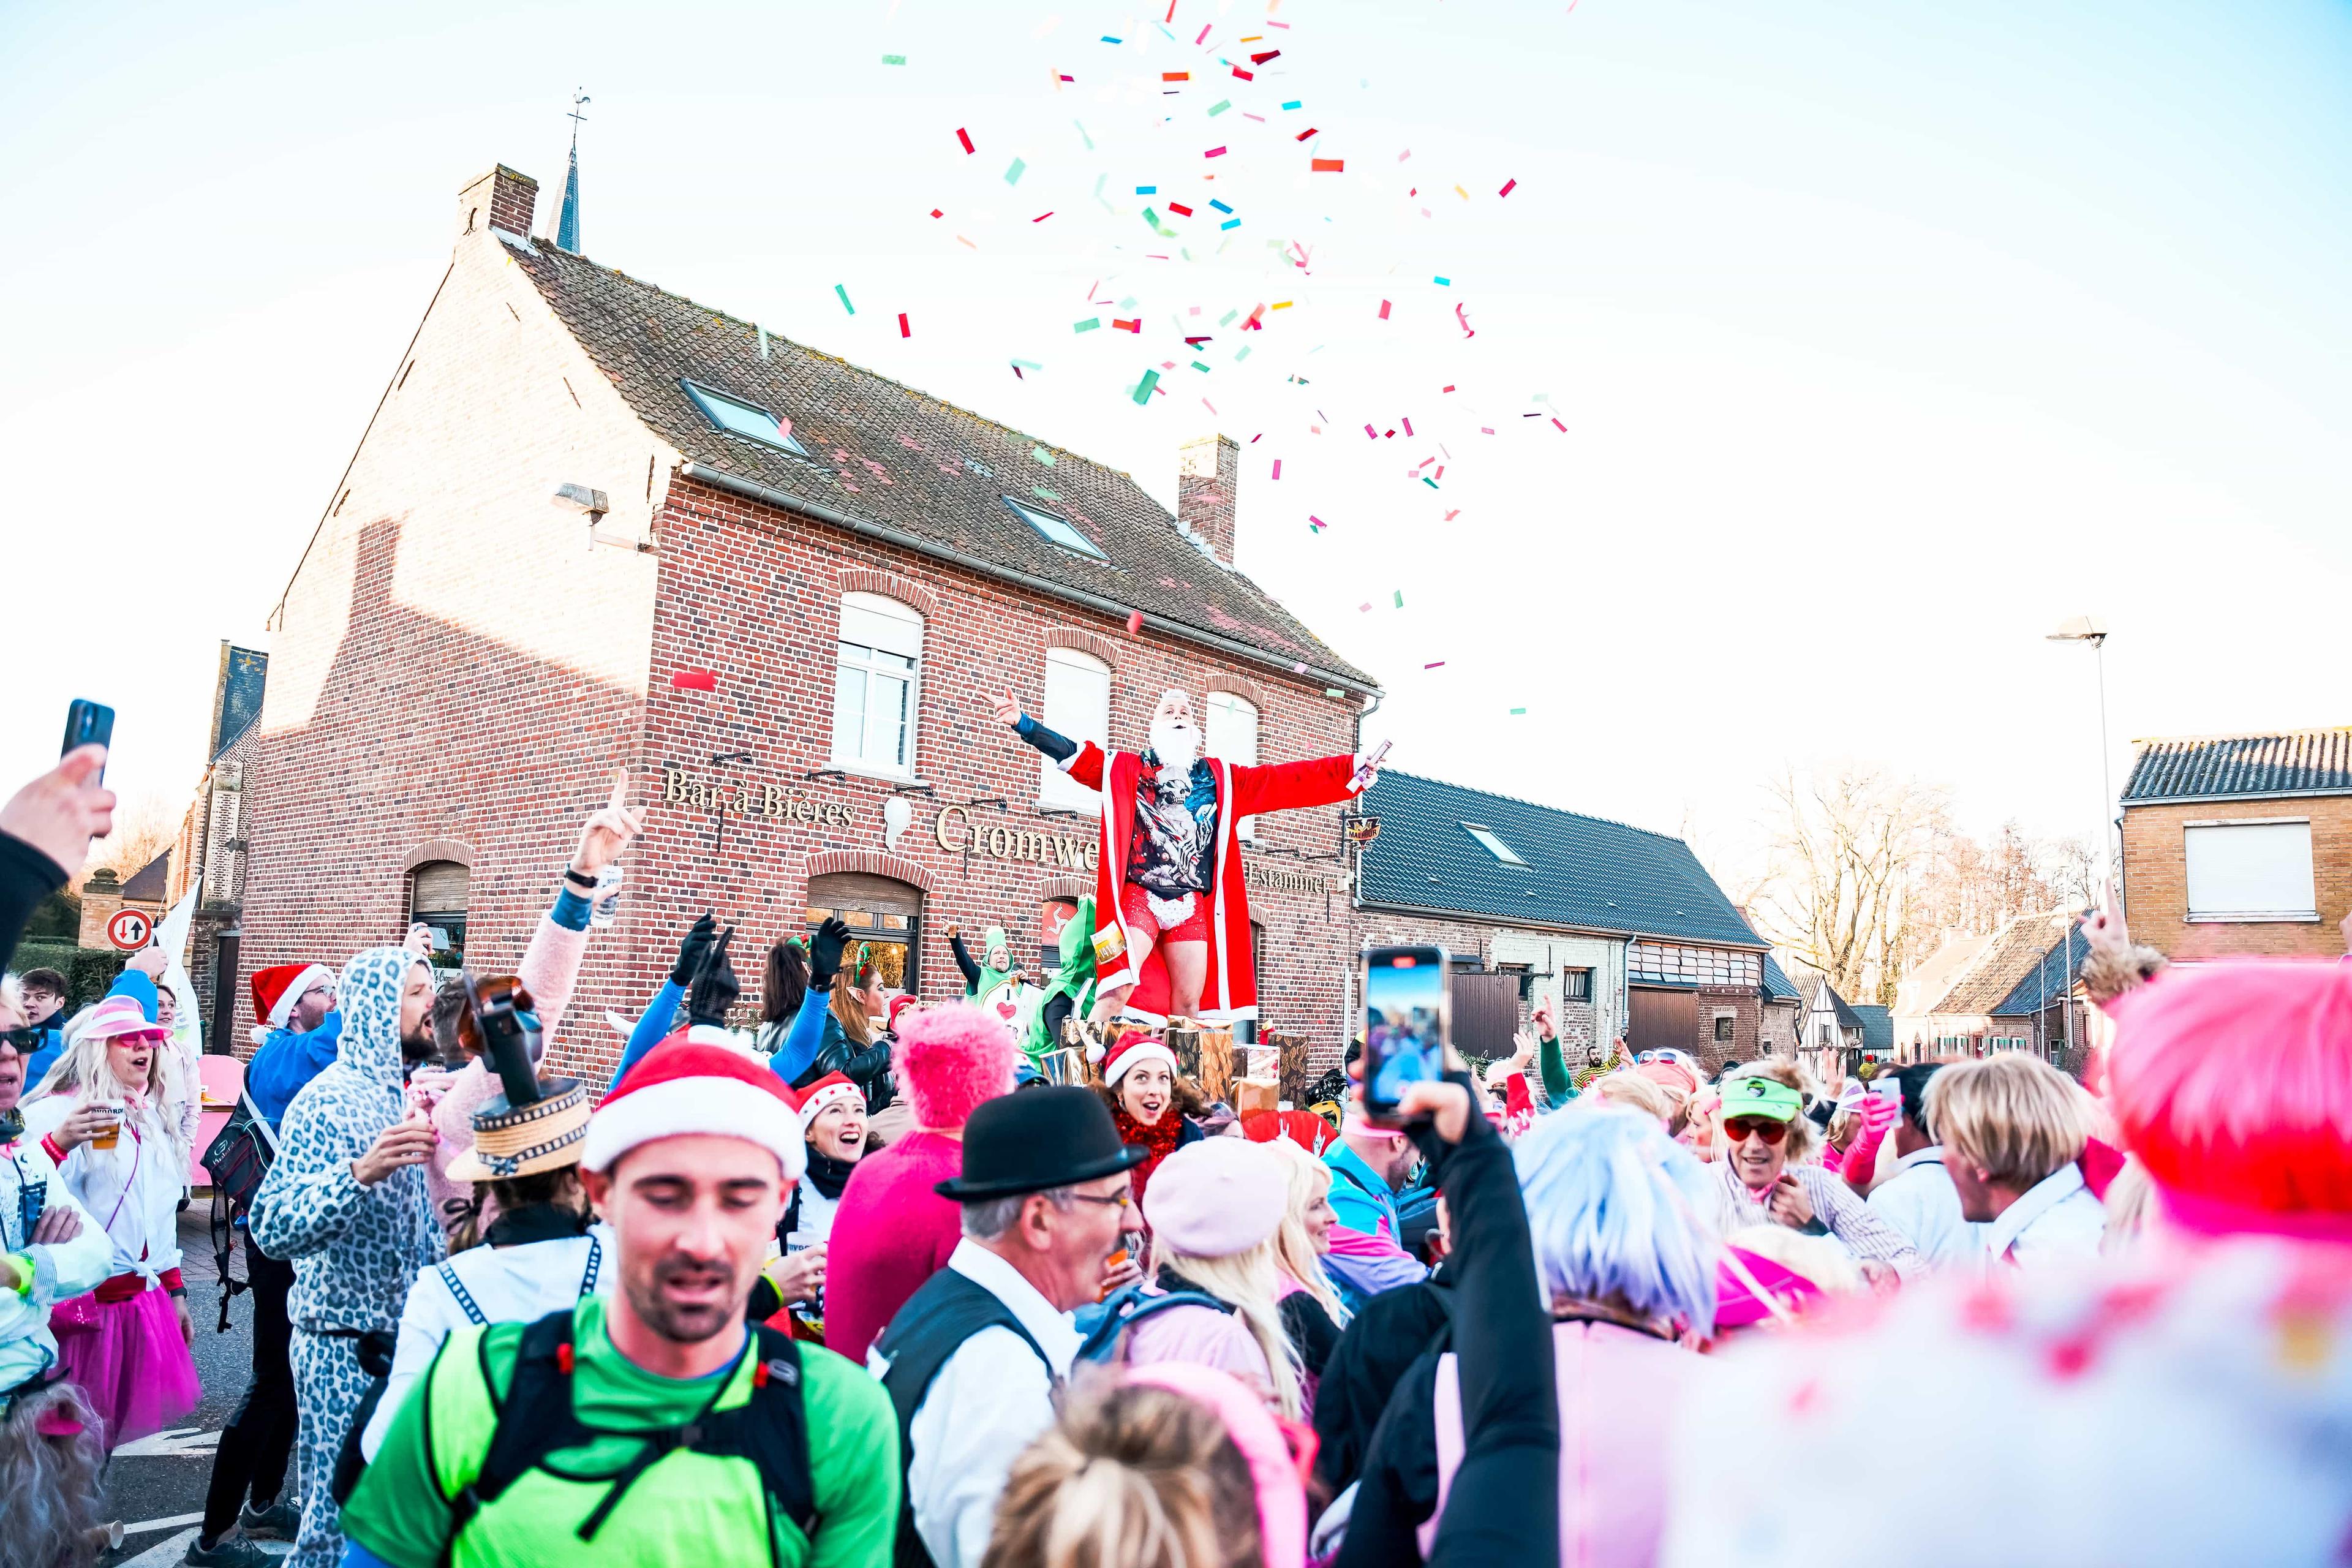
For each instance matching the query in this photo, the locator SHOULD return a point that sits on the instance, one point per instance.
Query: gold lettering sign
(1263, 877)
(1081, 851)
(778, 802)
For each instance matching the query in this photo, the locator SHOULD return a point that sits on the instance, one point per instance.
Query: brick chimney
(1208, 484)
(499, 199)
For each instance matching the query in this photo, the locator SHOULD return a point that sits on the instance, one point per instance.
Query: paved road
(144, 1488)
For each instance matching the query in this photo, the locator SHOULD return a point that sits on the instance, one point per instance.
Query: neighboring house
(103, 894)
(595, 524)
(1831, 1043)
(1877, 1030)
(2239, 844)
(1620, 929)
(1782, 1025)
(213, 842)
(2046, 1012)
(1949, 1005)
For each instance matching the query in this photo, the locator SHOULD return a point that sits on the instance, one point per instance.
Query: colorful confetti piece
(904, 330)
(1215, 152)
(1041, 456)
(1089, 325)
(1134, 623)
(894, 59)
(845, 298)
(1508, 186)
(1384, 309)
(965, 137)
(1013, 175)
(1519, 710)
(1277, 467)
(1143, 388)
(1330, 166)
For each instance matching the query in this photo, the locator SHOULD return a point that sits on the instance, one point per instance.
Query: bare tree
(144, 826)
(1848, 846)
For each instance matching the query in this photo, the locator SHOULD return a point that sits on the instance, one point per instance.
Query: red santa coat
(1229, 990)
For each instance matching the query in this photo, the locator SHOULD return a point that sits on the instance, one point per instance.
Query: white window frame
(1234, 707)
(2307, 913)
(1056, 791)
(1493, 843)
(897, 621)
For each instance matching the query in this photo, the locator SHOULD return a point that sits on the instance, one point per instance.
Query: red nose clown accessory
(683, 1087)
(1137, 1045)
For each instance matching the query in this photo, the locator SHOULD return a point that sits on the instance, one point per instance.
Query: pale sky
(1885, 337)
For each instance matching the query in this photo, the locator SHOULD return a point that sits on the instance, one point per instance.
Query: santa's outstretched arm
(1064, 751)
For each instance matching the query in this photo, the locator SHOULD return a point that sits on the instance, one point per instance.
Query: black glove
(715, 987)
(699, 938)
(824, 952)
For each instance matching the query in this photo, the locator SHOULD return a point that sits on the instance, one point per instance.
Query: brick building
(1979, 995)
(1620, 930)
(2239, 844)
(212, 843)
(592, 525)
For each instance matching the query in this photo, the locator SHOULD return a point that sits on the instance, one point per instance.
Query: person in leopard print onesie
(346, 1201)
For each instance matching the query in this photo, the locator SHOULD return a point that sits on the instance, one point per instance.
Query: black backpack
(536, 1419)
(237, 1158)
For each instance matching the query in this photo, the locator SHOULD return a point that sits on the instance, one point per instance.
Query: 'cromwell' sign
(1070, 852)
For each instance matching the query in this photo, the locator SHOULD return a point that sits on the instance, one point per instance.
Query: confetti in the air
(904, 330)
(846, 305)
(965, 137)
(693, 680)
(1134, 623)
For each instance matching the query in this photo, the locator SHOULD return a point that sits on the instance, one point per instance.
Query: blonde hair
(2014, 1115)
(1129, 1476)
(82, 1068)
(1803, 1142)
(1294, 1254)
(2131, 1208)
(1249, 1282)
(1630, 1088)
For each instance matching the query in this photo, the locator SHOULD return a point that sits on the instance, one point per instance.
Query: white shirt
(1919, 1200)
(133, 1189)
(989, 1399)
(2057, 1221)
(61, 1272)
(507, 1285)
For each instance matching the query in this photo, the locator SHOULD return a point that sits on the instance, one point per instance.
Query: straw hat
(510, 1141)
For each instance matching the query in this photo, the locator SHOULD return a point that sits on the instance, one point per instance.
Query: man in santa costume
(1168, 879)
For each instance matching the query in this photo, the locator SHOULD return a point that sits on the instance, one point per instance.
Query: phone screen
(1405, 1021)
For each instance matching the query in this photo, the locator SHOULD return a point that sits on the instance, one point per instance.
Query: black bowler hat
(1038, 1138)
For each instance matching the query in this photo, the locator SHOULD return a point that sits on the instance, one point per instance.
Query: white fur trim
(716, 1107)
(283, 1008)
(814, 1106)
(1147, 1051)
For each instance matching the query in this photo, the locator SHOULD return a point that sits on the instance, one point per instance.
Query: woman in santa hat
(1152, 1102)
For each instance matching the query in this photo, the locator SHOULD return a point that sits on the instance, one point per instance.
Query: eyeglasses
(324, 988)
(1740, 1128)
(1116, 1200)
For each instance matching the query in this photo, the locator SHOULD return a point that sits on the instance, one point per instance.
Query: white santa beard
(1177, 745)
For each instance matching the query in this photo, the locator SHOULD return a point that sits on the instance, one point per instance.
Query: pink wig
(951, 1059)
(2233, 1082)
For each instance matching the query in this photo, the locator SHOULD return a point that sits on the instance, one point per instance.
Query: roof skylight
(1492, 844)
(1058, 529)
(748, 420)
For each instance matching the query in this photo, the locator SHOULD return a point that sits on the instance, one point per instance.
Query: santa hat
(831, 1089)
(2233, 1082)
(279, 987)
(899, 1004)
(953, 1059)
(1137, 1045)
(683, 1087)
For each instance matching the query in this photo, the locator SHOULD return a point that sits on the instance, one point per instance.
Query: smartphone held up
(89, 724)
(1408, 1020)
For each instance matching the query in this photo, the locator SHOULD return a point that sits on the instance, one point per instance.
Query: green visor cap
(1761, 1096)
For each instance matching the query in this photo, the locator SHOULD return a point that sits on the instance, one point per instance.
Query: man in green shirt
(652, 1427)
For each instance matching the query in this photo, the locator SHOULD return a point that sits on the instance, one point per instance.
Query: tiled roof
(2207, 767)
(890, 454)
(1777, 986)
(1878, 1027)
(2014, 952)
(2046, 981)
(147, 884)
(1584, 872)
(1846, 1016)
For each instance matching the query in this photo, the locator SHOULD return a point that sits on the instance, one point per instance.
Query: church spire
(567, 228)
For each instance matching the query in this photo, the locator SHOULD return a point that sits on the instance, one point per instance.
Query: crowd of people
(859, 1284)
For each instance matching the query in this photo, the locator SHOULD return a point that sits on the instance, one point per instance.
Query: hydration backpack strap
(1130, 1306)
(595, 1263)
(465, 1298)
(773, 1428)
(534, 1419)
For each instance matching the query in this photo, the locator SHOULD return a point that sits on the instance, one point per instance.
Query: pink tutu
(133, 1366)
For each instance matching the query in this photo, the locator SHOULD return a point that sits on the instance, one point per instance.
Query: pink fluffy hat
(951, 1059)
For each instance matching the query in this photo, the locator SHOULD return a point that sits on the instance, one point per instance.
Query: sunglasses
(25, 1040)
(1740, 1128)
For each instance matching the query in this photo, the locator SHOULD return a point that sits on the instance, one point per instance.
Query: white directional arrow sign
(179, 1442)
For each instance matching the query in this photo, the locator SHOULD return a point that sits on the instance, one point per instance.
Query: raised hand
(1007, 710)
(698, 941)
(826, 951)
(2102, 927)
(606, 834)
(61, 811)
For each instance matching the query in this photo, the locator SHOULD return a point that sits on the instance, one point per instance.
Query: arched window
(438, 892)
(1231, 736)
(877, 685)
(1078, 705)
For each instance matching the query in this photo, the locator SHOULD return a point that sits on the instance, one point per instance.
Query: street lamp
(2091, 630)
